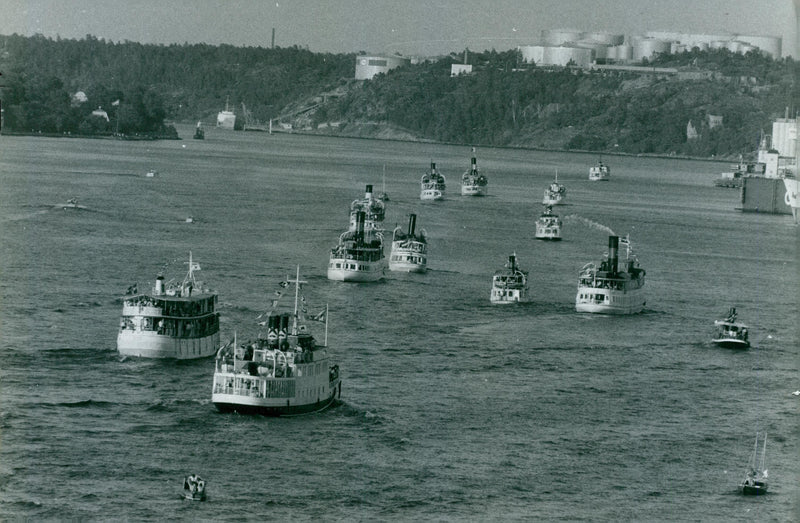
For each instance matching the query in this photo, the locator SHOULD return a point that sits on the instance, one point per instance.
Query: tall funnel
(368, 192)
(512, 262)
(360, 218)
(412, 223)
(613, 246)
(474, 166)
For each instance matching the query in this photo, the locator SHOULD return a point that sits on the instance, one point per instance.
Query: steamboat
(473, 183)
(612, 288)
(548, 225)
(173, 321)
(432, 185)
(358, 257)
(510, 284)
(284, 372)
(409, 249)
(555, 193)
(599, 172)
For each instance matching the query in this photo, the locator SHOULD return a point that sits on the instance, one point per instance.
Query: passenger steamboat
(473, 183)
(284, 372)
(409, 249)
(174, 321)
(599, 172)
(510, 284)
(432, 184)
(548, 225)
(358, 257)
(374, 210)
(555, 193)
(612, 289)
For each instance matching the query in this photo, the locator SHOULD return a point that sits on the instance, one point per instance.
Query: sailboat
(755, 480)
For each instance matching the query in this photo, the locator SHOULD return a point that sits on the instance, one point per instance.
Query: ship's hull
(407, 267)
(598, 177)
(271, 407)
(474, 190)
(340, 269)
(555, 200)
(508, 296)
(754, 490)
(149, 344)
(545, 233)
(731, 343)
(431, 194)
(609, 301)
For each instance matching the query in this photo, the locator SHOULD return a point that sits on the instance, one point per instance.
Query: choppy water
(452, 409)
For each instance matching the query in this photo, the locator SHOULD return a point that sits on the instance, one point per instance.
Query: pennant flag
(115, 103)
(320, 317)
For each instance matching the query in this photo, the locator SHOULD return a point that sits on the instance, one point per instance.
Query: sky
(409, 27)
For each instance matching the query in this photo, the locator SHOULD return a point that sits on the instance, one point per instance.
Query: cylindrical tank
(647, 47)
(606, 39)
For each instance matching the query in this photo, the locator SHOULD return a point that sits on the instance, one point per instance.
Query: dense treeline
(153, 82)
(503, 102)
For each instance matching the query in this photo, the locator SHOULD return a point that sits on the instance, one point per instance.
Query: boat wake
(589, 223)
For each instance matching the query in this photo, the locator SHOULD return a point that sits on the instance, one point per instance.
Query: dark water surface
(452, 409)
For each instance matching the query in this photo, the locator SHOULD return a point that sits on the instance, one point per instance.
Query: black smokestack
(512, 262)
(412, 223)
(613, 245)
(360, 217)
(474, 164)
(368, 193)
(433, 166)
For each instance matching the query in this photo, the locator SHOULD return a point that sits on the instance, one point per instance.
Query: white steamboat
(358, 257)
(282, 373)
(473, 183)
(548, 225)
(174, 321)
(432, 184)
(611, 288)
(510, 284)
(555, 193)
(409, 249)
(599, 172)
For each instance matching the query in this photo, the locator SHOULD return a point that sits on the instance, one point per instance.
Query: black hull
(272, 411)
(754, 491)
(729, 344)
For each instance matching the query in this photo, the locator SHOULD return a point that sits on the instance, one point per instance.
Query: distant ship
(284, 372)
(432, 184)
(173, 321)
(548, 226)
(510, 284)
(374, 211)
(614, 287)
(409, 249)
(599, 172)
(226, 119)
(555, 193)
(473, 183)
(199, 133)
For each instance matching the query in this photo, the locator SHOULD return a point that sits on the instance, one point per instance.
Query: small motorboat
(151, 173)
(194, 488)
(730, 333)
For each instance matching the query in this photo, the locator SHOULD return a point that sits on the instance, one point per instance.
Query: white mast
(297, 282)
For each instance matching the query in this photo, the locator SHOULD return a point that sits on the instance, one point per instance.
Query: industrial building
(580, 48)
